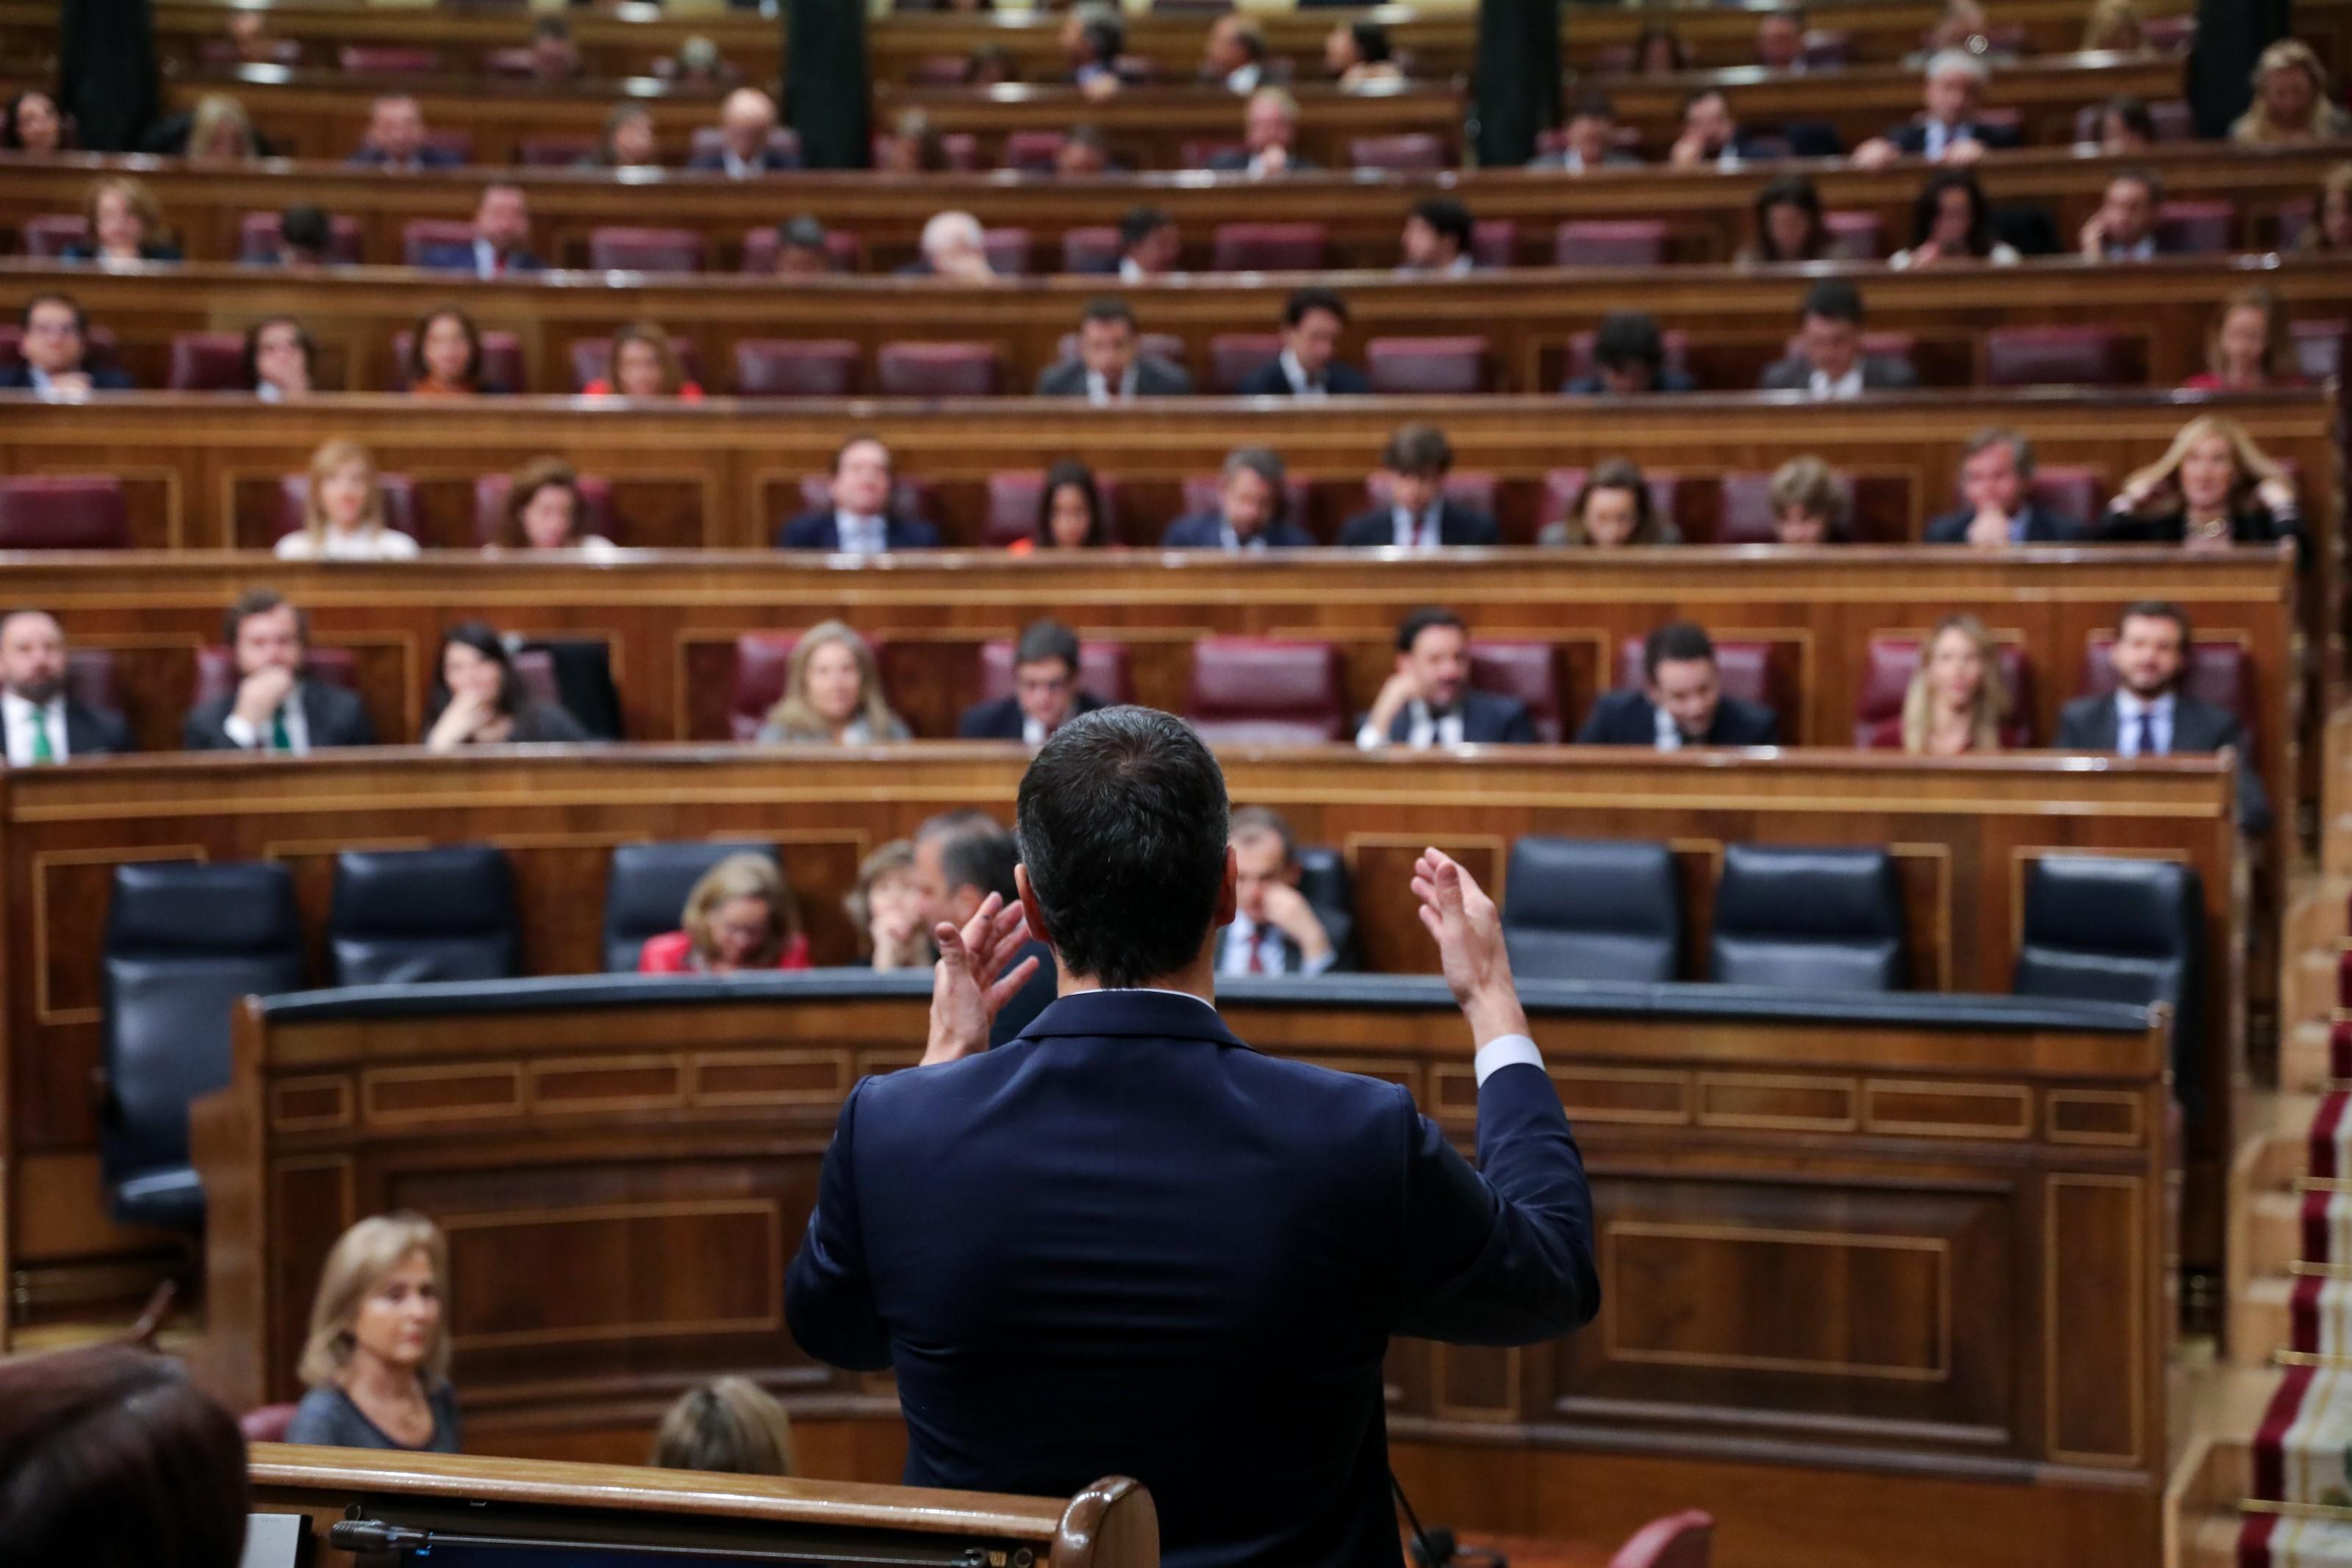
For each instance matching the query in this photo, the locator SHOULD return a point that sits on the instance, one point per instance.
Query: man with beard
(44, 723)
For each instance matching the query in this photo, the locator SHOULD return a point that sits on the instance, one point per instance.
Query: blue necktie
(2146, 744)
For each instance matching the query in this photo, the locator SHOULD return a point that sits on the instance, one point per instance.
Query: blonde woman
(2291, 100)
(832, 693)
(741, 915)
(1810, 503)
(887, 908)
(2330, 228)
(728, 1427)
(2115, 24)
(343, 514)
(2247, 347)
(220, 131)
(2212, 489)
(1957, 700)
(125, 224)
(377, 1359)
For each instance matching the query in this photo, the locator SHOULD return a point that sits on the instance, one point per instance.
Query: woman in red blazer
(741, 915)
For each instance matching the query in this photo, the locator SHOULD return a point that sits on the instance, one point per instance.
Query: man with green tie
(46, 724)
(274, 706)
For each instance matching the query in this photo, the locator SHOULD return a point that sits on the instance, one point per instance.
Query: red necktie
(1257, 953)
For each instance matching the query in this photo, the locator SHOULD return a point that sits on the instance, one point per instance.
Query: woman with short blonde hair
(126, 223)
(1957, 700)
(1810, 503)
(221, 131)
(2115, 24)
(342, 512)
(2330, 228)
(741, 915)
(2247, 345)
(832, 693)
(2291, 100)
(731, 1425)
(377, 1356)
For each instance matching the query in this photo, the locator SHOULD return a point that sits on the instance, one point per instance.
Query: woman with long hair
(1957, 701)
(1613, 509)
(729, 1426)
(1951, 222)
(1070, 512)
(2213, 488)
(832, 693)
(220, 131)
(31, 122)
(545, 510)
(2291, 100)
(741, 915)
(645, 364)
(445, 355)
(281, 360)
(377, 1357)
(1787, 223)
(477, 697)
(343, 514)
(125, 224)
(886, 909)
(1810, 503)
(2247, 347)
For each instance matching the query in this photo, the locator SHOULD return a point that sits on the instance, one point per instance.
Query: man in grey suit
(1829, 365)
(1111, 366)
(2149, 714)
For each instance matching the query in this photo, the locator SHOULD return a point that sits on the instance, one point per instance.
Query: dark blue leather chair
(1592, 909)
(1807, 919)
(646, 889)
(1330, 891)
(405, 916)
(2110, 929)
(183, 943)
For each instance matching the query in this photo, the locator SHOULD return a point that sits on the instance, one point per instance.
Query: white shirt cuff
(1317, 966)
(238, 730)
(1502, 1052)
(1371, 738)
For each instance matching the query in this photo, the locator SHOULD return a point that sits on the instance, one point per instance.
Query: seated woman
(2292, 102)
(1660, 51)
(2247, 348)
(832, 693)
(1810, 503)
(1957, 701)
(741, 915)
(281, 361)
(1069, 513)
(444, 356)
(220, 131)
(887, 910)
(2330, 228)
(2212, 489)
(2126, 129)
(1951, 224)
(342, 515)
(1612, 509)
(645, 364)
(478, 699)
(31, 122)
(2115, 24)
(377, 1359)
(1787, 223)
(729, 1426)
(545, 511)
(125, 224)
(628, 140)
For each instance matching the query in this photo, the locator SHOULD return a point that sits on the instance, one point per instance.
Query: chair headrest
(2112, 903)
(1593, 883)
(449, 891)
(1795, 894)
(171, 906)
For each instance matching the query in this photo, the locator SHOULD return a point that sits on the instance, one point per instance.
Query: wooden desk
(1879, 1254)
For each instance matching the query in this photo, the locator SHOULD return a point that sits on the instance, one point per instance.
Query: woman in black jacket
(479, 698)
(2214, 488)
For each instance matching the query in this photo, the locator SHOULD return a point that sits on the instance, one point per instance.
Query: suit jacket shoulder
(96, 731)
(1619, 718)
(1343, 379)
(1493, 718)
(1067, 378)
(810, 531)
(336, 717)
(1199, 530)
(996, 720)
(1789, 374)
(1157, 377)
(1266, 381)
(1738, 722)
(203, 729)
(1884, 372)
(2087, 724)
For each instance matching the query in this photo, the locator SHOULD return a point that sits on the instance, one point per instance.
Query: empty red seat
(1611, 242)
(1434, 367)
(1007, 251)
(399, 504)
(491, 490)
(92, 678)
(1562, 485)
(2063, 356)
(361, 58)
(2219, 673)
(1494, 241)
(1463, 486)
(1033, 151)
(784, 367)
(1674, 342)
(619, 249)
(1014, 500)
(1745, 668)
(554, 151)
(1250, 691)
(1269, 247)
(1203, 493)
(592, 360)
(2171, 34)
(502, 361)
(1093, 247)
(1528, 671)
(939, 369)
(2318, 348)
(1414, 152)
(1888, 665)
(261, 237)
(207, 362)
(1856, 236)
(217, 673)
(50, 235)
(77, 512)
(2196, 228)
(1743, 511)
(1104, 672)
(762, 659)
(760, 249)
(1234, 356)
(421, 237)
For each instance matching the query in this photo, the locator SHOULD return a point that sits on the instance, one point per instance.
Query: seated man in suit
(1711, 137)
(1093, 39)
(275, 707)
(1192, 1253)
(963, 859)
(1308, 365)
(745, 118)
(501, 242)
(1274, 931)
(1269, 128)
(1233, 55)
(45, 723)
(1589, 141)
(1628, 358)
(1419, 515)
(1996, 477)
(1110, 366)
(1949, 130)
(860, 521)
(55, 351)
(2123, 228)
(1149, 245)
(395, 138)
(1438, 233)
(1429, 700)
(1045, 691)
(1829, 365)
(1681, 703)
(2150, 714)
(1250, 504)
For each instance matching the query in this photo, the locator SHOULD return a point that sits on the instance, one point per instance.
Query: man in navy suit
(963, 859)
(1045, 692)
(55, 351)
(859, 521)
(1276, 930)
(395, 138)
(1681, 702)
(1126, 1244)
(501, 239)
(44, 722)
(1249, 512)
(744, 150)
(1996, 477)
(1429, 701)
(1949, 130)
(1309, 366)
(1419, 514)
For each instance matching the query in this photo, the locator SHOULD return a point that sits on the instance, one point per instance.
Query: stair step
(2276, 1542)
(2274, 1232)
(2261, 1320)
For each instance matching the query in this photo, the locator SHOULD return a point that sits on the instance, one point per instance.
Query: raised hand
(1468, 930)
(970, 984)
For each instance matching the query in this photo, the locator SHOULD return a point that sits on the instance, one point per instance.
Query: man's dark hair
(52, 297)
(1448, 217)
(2147, 179)
(1042, 640)
(1418, 449)
(974, 852)
(802, 232)
(1110, 308)
(1106, 36)
(2134, 113)
(1123, 823)
(1410, 629)
(2156, 609)
(1139, 224)
(1264, 821)
(1628, 338)
(1372, 42)
(1266, 464)
(306, 228)
(1296, 308)
(256, 601)
(1676, 640)
(1833, 299)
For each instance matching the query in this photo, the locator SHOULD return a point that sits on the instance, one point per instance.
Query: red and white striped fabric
(2331, 1136)
(2270, 1540)
(2327, 1228)
(2320, 1314)
(2299, 1448)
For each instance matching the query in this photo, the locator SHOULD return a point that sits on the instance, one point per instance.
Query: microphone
(1436, 1548)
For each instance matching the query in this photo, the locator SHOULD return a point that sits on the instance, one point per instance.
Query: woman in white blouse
(343, 514)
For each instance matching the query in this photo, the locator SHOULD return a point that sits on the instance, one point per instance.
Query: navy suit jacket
(458, 257)
(335, 717)
(818, 530)
(2094, 724)
(1626, 718)
(1205, 531)
(1456, 525)
(95, 731)
(1192, 1256)
(427, 157)
(1488, 718)
(1267, 380)
(1911, 137)
(18, 376)
(1002, 720)
(774, 159)
(2041, 528)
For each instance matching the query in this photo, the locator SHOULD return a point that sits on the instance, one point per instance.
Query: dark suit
(1627, 719)
(1194, 1255)
(1488, 718)
(1880, 372)
(335, 717)
(1002, 719)
(773, 160)
(2251, 524)
(427, 157)
(1035, 994)
(95, 731)
(18, 376)
(1912, 139)
(459, 257)
(1154, 377)
(1669, 381)
(821, 530)
(1205, 531)
(157, 252)
(1267, 380)
(2093, 723)
(2041, 528)
(1456, 525)
(1236, 160)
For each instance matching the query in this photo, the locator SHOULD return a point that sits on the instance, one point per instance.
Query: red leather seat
(1743, 511)
(1888, 665)
(227, 52)
(784, 367)
(1105, 673)
(709, 139)
(938, 70)
(1203, 492)
(50, 235)
(1013, 499)
(2219, 673)
(1562, 485)
(1494, 241)
(420, 236)
(1093, 247)
(1856, 236)
(1528, 671)
(939, 369)
(1270, 247)
(554, 151)
(1413, 153)
(2196, 228)
(66, 512)
(491, 490)
(387, 58)
(592, 360)
(267, 1423)
(2171, 34)
(1430, 367)
(1745, 669)
(760, 249)
(1611, 242)
(1200, 152)
(1234, 356)
(1007, 251)
(621, 248)
(1033, 151)
(2068, 488)
(261, 237)
(207, 362)
(1249, 691)
(2294, 218)
(502, 362)
(909, 496)
(1463, 487)
(762, 659)
(516, 63)
(1828, 47)
(1684, 1540)
(2062, 355)
(1673, 341)
(399, 504)
(91, 678)
(216, 670)
(2318, 347)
